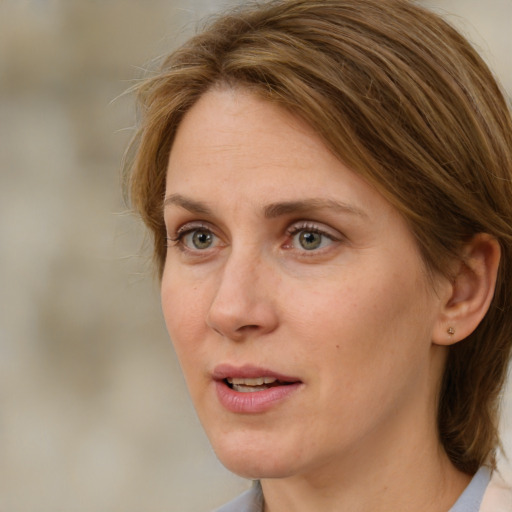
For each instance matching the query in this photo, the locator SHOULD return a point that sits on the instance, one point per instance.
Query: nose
(244, 303)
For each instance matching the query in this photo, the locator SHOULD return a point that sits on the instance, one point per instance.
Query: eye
(309, 237)
(194, 238)
(198, 239)
(309, 240)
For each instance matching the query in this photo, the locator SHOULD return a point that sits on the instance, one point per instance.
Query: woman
(328, 184)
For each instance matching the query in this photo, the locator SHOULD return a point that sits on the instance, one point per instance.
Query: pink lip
(255, 402)
(223, 371)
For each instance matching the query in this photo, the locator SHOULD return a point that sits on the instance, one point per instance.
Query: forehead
(232, 138)
(239, 124)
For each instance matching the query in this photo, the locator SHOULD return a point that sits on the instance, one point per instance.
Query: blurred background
(94, 414)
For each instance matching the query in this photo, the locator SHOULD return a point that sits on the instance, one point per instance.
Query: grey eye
(310, 240)
(201, 239)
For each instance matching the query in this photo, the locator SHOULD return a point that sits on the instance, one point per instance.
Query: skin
(353, 318)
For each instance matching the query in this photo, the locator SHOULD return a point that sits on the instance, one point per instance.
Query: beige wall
(94, 412)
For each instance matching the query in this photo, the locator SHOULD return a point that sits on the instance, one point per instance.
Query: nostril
(239, 316)
(249, 327)
(238, 332)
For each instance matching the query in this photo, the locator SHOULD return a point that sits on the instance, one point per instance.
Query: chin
(254, 459)
(256, 468)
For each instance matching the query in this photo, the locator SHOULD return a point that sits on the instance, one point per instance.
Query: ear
(470, 292)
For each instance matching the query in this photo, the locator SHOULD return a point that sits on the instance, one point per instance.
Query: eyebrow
(307, 205)
(272, 210)
(186, 203)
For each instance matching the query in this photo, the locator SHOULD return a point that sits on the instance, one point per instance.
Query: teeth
(248, 389)
(258, 381)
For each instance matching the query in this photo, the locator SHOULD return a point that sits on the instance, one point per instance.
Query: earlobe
(471, 290)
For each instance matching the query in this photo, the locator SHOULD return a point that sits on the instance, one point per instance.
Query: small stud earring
(451, 331)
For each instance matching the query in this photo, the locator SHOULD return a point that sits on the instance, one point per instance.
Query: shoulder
(498, 495)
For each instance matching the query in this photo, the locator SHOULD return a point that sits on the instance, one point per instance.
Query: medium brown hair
(402, 99)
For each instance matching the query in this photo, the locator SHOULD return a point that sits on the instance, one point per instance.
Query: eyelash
(309, 227)
(306, 226)
(177, 239)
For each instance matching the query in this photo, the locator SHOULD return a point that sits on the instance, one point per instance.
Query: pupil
(202, 240)
(310, 240)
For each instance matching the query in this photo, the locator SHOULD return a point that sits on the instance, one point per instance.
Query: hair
(406, 102)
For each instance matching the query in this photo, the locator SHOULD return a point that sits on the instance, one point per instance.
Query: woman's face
(294, 294)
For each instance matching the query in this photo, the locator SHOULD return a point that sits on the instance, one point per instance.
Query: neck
(401, 468)
(427, 482)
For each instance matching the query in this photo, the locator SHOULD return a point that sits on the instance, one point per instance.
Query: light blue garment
(249, 501)
(469, 501)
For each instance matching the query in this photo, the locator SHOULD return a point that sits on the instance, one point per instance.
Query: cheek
(370, 321)
(339, 304)
(368, 346)
(183, 306)
(184, 321)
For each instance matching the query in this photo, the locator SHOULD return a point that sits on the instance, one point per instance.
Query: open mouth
(252, 390)
(252, 385)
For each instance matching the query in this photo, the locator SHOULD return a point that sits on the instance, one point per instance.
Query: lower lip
(256, 401)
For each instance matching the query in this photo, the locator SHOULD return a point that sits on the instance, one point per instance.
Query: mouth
(252, 390)
(253, 385)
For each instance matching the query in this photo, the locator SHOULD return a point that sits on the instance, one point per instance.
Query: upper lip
(224, 371)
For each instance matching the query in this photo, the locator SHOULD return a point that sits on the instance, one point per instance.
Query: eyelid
(307, 225)
(177, 238)
(330, 238)
(182, 230)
